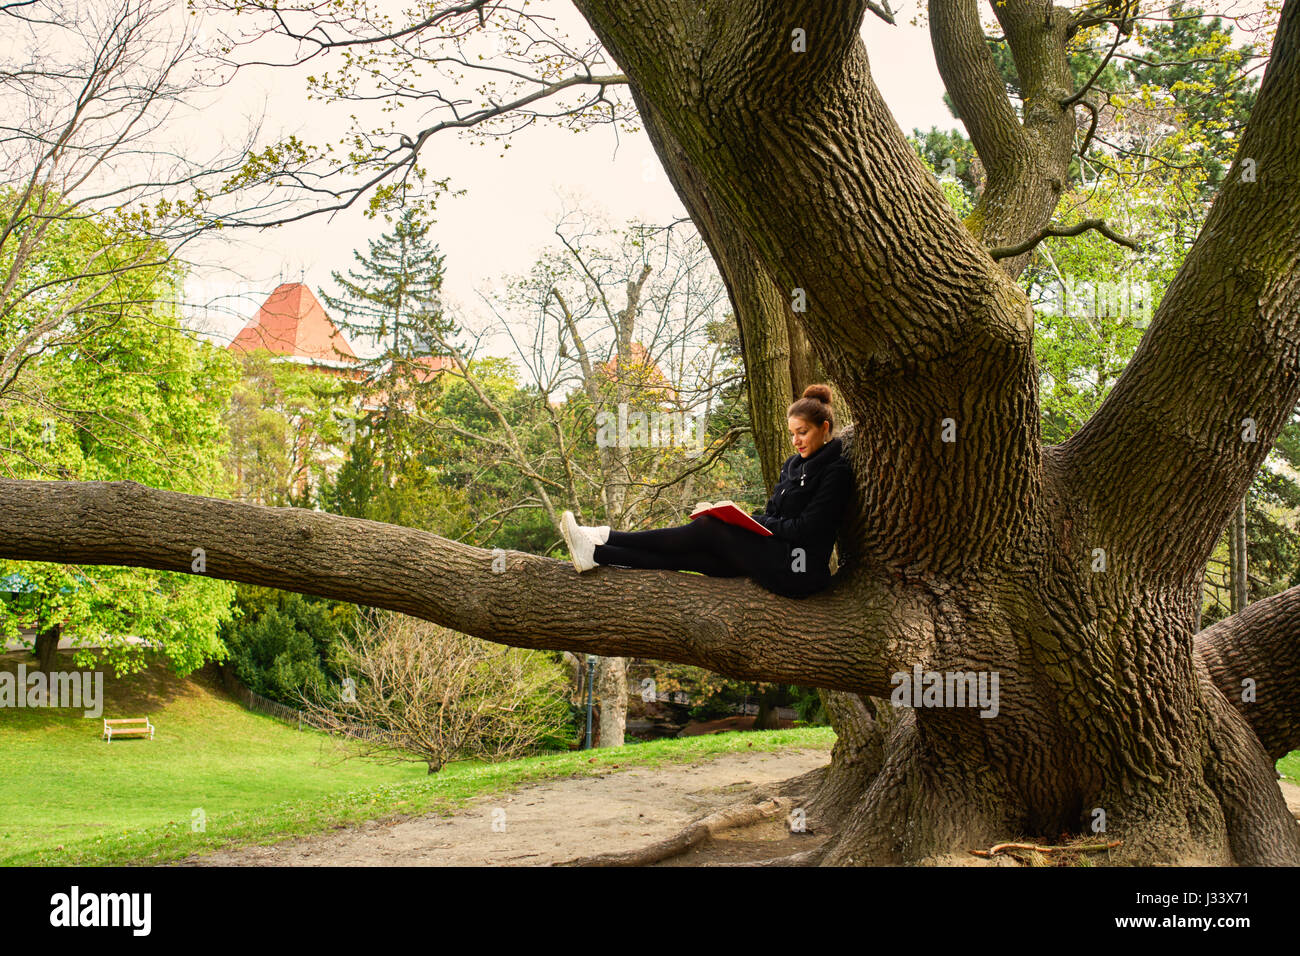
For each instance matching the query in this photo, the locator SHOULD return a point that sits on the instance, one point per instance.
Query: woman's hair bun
(814, 407)
(822, 392)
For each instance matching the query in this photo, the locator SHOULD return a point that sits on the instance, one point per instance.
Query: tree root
(729, 817)
(802, 858)
(1068, 848)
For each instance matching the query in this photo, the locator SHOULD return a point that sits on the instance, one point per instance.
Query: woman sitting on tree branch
(803, 515)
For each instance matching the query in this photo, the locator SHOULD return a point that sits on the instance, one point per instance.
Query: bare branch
(1078, 228)
(882, 10)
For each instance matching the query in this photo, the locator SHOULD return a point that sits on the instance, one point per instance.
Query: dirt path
(543, 822)
(561, 819)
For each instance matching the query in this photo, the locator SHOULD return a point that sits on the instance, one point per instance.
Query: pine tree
(396, 296)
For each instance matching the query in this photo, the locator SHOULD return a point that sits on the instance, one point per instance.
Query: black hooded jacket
(805, 511)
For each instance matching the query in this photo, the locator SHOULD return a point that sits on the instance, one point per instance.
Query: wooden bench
(127, 727)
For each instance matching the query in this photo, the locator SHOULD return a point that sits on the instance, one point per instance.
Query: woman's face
(807, 437)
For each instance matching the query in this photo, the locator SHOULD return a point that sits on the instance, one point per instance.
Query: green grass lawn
(67, 797)
(1289, 766)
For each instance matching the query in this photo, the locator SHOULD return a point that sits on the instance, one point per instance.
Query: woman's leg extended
(679, 540)
(700, 561)
(707, 545)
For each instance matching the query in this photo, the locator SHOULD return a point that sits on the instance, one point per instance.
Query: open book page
(728, 511)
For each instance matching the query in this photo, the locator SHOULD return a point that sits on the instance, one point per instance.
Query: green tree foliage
(393, 471)
(287, 425)
(398, 467)
(280, 643)
(118, 392)
(393, 299)
(1203, 81)
(398, 475)
(1169, 121)
(950, 156)
(1170, 124)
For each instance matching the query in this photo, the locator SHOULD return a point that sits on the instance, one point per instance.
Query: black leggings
(707, 545)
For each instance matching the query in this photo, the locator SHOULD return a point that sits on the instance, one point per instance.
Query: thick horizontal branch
(846, 638)
(1255, 654)
(1003, 252)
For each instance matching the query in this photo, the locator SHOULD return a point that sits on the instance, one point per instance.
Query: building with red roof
(641, 372)
(294, 328)
(292, 322)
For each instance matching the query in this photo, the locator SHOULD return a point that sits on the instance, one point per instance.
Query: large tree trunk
(1071, 572)
(1088, 626)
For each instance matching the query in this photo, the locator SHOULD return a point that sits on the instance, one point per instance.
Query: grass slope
(68, 798)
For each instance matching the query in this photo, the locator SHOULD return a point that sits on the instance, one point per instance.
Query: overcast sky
(508, 212)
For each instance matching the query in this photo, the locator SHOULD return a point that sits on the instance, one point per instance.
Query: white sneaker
(581, 545)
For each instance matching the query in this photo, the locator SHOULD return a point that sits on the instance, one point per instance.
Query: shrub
(414, 690)
(281, 642)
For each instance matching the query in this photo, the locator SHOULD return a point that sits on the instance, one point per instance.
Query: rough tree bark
(1073, 571)
(759, 123)
(1027, 157)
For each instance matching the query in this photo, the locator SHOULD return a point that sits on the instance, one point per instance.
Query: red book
(728, 512)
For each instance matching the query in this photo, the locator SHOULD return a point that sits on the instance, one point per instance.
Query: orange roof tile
(292, 322)
(642, 371)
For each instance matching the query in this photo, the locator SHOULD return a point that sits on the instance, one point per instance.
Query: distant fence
(748, 706)
(255, 701)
